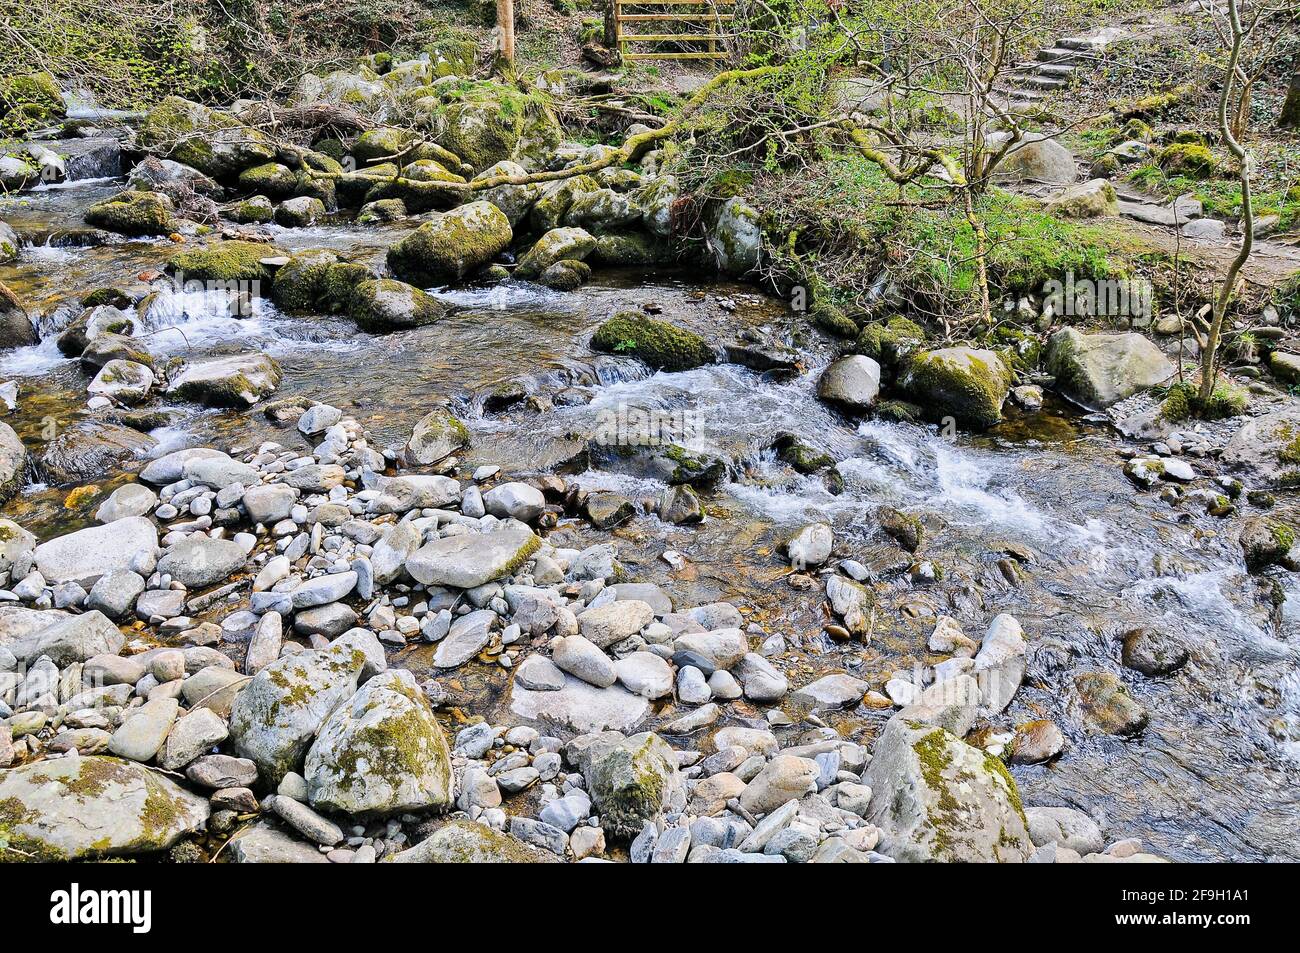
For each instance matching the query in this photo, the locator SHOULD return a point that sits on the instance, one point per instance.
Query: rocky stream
(481, 530)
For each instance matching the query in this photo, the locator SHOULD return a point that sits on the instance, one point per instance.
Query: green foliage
(1183, 402)
(1190, 159)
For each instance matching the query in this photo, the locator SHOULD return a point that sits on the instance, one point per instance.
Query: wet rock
(90, 450)
(539, 674)
(605, 510)
(1105, 705)
(16, 329)
(810, 546)
(1265, 542)
(380, 752)
(1036, 742)
(1000, 663)
(90, 807)
(437, 435)
(451, 246)
(937, 798)
(214, 142)
(1097, 370)
(645, 674)
(1065, 827)
(852, 383)
(133, 213)
(1152, 653)
(13, 462)
(760, 679)
(680, 506)
(238, 381)
(276, 715)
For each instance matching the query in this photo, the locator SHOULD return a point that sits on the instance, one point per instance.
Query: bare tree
(506, 26)
(1237, 34)
(1290, 118)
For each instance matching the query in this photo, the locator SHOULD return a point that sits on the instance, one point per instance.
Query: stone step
(1044, 82)
(1059, 54)
(1059, 70)
(1082, 44)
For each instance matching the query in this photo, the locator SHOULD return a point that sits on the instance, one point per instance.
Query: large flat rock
(581, 707)
(86, 555)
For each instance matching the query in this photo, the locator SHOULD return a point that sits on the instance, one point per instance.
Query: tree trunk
(506, 24)
(1290, 118)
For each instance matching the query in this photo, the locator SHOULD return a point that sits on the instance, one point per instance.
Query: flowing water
(1213, 777)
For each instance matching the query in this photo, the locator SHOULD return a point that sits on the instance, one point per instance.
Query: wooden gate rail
(692, 43)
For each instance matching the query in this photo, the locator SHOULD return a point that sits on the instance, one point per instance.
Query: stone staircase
(1054, 67)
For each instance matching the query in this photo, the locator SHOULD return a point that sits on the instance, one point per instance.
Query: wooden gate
(672, 29)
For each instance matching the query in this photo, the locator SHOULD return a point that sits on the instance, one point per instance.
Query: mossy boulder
(630, 250)
(559, 244)
(257, 210)
(381, 752)
(657, 343)
(382, 211)
(1266, 542)
(437, 435)
(1190, 159)
(278, 713)
(125, 382)
(299, 212)
(299, 284)
(514, 200)
(417, 186)
(271, 179)
(1267, 447)
(9, 244)
(452, 245)
(385, 304)
(566, 275)
(490, 122)
(631, 781)
(891, 342)
(90, 808)
(382, 145)
(1093, 199)
(240, 380)
(602, 210)
(551, 205)
(656, 200)
(467, 842)
(736, 238)
(936, 798)
(227, 261)
(215, 143)
(133, 213)
(1097, 370)
(966, 384)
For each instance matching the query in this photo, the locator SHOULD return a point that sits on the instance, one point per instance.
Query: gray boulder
(472, 559)
(1097, 370)
(82, 557)
(90, 807)
(936, 798)
(381, 752)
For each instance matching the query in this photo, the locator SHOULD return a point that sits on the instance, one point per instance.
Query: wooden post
(506, 24)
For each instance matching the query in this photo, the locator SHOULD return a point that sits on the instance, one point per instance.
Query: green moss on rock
(659, 344)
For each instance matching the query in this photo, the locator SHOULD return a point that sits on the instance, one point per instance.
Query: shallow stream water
(1213, 777)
